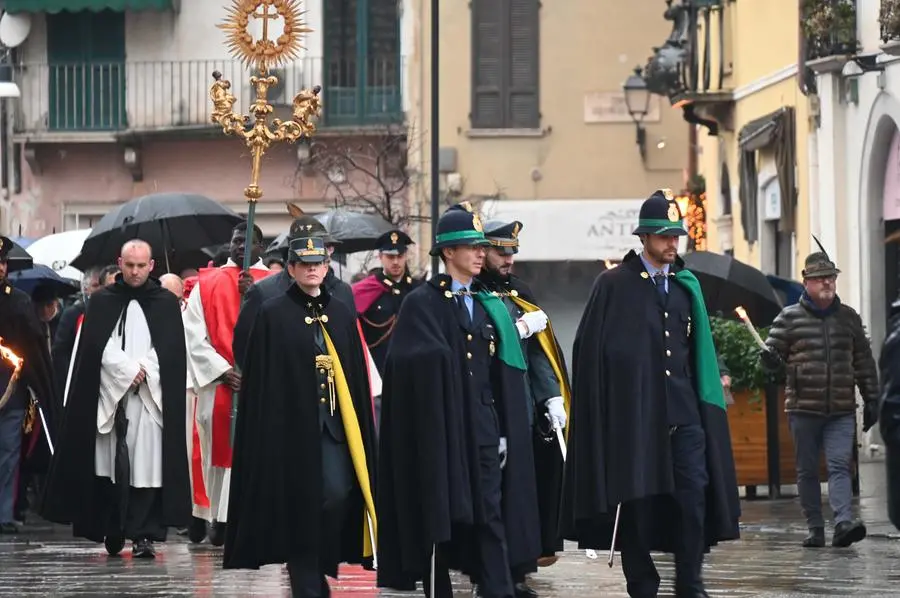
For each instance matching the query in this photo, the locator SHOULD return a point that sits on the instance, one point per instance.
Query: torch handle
(251, 237)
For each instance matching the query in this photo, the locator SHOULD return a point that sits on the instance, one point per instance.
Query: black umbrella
(354, 230)
(176, 225)
(44, 276)
(18, 259)
(728, 283)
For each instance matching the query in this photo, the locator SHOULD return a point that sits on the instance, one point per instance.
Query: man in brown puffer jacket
(822, 346)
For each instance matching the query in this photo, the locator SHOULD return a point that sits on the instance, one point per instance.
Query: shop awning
(14, 6)
(759, 133)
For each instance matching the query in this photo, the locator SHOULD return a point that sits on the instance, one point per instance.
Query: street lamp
(637, 99)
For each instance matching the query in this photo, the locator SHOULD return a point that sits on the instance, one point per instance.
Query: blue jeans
(11, 420)
(834, 434)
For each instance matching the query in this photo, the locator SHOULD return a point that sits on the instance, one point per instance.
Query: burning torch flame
(742, 314)
(16, 361)
(609, 265)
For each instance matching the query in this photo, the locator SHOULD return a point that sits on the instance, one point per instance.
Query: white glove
(531, 323)
(557, 411)
(502, 451)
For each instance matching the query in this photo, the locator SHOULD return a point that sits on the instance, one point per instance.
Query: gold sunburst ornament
(271, 49)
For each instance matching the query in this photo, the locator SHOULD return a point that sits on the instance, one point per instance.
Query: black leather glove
(870, 415)
(770, 359)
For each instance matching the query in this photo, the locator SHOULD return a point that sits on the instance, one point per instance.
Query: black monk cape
(619, 447)
(548, 461)
(69, 495)
(21, 332)
(276, 492)
(428, 460)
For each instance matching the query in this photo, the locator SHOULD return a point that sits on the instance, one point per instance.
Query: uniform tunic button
(323, 371)
(468, 337)
(321, 386)
(668, 373)
(322, 400)
(468, 356)
(668, 354)
(667, 333)
(666, 314)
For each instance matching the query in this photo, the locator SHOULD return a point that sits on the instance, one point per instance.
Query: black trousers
(691, 480)
(143, 516)
(307, 572)
(493, 574)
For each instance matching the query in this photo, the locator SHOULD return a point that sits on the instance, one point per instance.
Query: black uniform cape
(548, 459)
(275, 504)
(428, 462)
(70, 496)
(21, 332)
(619, 447)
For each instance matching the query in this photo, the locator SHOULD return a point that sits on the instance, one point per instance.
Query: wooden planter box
(747, 422)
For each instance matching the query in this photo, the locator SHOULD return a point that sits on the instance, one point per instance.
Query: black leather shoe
(143, 549)
(523, 591)
(114, 544)
(197, 530)
(815, 538)
(217, 534)
(847, 533)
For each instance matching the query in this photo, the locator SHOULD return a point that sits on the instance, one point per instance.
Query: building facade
(857, 141)
(533, 120)
(115, 104)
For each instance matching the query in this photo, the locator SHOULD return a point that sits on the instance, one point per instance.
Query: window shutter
(488, 33)
(522, 96)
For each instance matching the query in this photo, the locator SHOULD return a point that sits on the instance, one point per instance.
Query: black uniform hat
(393, 242)
(503, 235)
(660, 216)
(6, 246)
(309, 250)
(459, 225)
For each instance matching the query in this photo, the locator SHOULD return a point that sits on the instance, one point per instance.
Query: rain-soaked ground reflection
(767, 562)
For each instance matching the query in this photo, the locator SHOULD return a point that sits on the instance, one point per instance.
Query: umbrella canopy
(18, 259)
(280, 243)
(41, 275)
(355, 231)
(23, 242)
(728, 283)
(789, 291)
(176, 225)
(57, 251)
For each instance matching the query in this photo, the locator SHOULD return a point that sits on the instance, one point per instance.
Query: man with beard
(649, 445)
(212, 311)
(822, 344)
(546, 384)
(120, 470)
(20, 332)
(303, 471)
(458, 490)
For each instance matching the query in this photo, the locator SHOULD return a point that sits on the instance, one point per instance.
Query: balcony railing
(830, 28)
(154, 96)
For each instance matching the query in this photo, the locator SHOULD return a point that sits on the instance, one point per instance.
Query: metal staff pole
(612, 544)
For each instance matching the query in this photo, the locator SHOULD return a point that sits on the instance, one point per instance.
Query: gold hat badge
(394, 238)
(515, 231)
(309, 244)
(674, 214)
(476, 222)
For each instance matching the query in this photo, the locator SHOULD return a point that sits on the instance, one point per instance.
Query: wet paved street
(767, 562)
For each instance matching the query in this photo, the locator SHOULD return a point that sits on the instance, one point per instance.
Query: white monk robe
(205, 367)
(143, 408)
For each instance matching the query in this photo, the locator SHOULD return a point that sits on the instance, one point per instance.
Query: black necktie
(660, 280)
(461, 300)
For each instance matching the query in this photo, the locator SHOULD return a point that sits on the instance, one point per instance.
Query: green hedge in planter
(736, 346)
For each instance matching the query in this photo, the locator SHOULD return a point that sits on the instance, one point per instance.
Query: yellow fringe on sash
(548, 345)
(355, 443)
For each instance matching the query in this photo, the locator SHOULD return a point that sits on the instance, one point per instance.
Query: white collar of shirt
(258, 265)
(455, 286)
